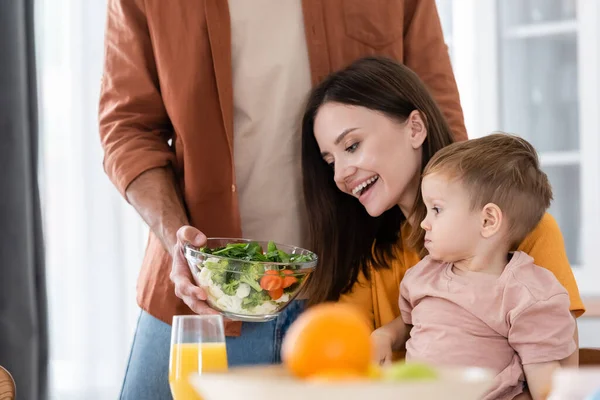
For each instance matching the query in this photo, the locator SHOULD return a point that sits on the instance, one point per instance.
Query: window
(94, 240)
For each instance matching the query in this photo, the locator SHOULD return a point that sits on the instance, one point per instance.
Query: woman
(367, 133)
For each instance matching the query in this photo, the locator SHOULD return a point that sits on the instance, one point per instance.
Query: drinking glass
(197, 346)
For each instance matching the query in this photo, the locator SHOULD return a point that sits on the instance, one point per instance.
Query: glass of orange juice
(197, 345)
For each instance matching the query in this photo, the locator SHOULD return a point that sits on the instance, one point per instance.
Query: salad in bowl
(249, 280)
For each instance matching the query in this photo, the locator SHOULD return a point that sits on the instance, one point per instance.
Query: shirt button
(233, 188)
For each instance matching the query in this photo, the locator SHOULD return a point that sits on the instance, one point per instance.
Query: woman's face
(375, 158)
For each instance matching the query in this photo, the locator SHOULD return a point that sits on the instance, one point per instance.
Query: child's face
(452, 229)
(375, 158)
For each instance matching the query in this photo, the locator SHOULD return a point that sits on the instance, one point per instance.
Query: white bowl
(274, 383)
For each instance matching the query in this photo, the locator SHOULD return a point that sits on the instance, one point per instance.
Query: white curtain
(94, 239)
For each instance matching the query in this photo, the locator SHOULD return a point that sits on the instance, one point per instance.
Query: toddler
(474, 300)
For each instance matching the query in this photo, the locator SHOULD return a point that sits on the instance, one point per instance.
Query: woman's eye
(436, 210)
(352, 148)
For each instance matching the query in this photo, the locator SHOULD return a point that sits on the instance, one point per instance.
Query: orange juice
(186, 358)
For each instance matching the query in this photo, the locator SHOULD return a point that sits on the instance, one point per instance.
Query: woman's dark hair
(346, 238)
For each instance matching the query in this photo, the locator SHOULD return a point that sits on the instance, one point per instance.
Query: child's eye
(435, 210)
(352, 148)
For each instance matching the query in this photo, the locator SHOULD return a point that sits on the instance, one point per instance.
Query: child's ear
(491, 220)
(417, 129)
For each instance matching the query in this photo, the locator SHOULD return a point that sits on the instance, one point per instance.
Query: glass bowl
(249, 280)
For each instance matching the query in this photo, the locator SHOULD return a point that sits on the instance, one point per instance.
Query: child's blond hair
(502, 169)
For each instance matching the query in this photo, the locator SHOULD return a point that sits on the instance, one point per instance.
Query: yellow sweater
(378, 298)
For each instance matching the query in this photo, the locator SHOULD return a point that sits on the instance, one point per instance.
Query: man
(199, 116)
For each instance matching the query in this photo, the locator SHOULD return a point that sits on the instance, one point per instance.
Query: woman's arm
(389, 338)
(396, 331)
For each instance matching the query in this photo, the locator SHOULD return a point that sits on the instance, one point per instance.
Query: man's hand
(181, 275)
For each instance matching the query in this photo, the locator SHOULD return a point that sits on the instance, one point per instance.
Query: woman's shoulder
(548, 223)
(546, 232)
(546, 245)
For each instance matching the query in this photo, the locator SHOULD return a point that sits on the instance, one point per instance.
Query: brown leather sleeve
(426, 53)
(134, 126)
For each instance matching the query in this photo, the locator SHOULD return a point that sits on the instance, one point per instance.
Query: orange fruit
(328, 337)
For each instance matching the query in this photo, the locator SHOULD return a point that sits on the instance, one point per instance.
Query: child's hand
(382, 347)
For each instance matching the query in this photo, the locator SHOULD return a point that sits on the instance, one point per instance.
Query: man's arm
(155, 197)
(135, 130)
(134, 125)
(426, 53)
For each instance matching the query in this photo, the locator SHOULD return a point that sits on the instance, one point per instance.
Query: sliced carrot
(276, 294)
(288, 279)
(271, 280)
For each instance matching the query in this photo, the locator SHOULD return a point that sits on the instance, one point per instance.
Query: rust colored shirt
(167, 98)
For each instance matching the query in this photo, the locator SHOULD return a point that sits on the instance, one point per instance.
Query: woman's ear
(491, 220)
(417, 129)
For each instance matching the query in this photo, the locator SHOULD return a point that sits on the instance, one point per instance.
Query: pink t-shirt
(478, 319)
